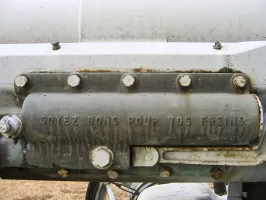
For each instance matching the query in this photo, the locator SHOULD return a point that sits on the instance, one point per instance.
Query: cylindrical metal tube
(149, 20)
(121, 120)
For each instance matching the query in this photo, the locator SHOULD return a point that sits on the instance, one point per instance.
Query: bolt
(63, 173)
(239, 81)
(216, 173)
(101, 157)
(10, 126)
(74, 80)
(184, 80)
(217, 45)
(245, 194)
(21, 81)
(165, 173)
(112, 174)
(55, 45)
(128, 80)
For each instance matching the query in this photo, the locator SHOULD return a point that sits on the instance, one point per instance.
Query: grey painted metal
(193, 120)
(118, 20)
(235, 191)
(116, 122)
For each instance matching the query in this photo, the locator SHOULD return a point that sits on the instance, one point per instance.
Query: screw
(217, 45)
(128, 80)
(21, 81)
(112, 174)
(216, 173)
(55, 45)
(63, 173)
(101, 157)
(239, 81)
(165, 173)
(74, 80)
(184, 80)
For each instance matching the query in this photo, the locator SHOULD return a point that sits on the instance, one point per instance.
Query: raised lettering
(219, 121)
(74, 120)
(90, 119)
(106, 121)
(171, 121)
(115, 120)
(188, 121)
(138, 121)
(146, 121)
(98, 120)
(130, 120)
(203, 121)
(50, 120)
(155, 121)
(43, 119)
(241, 120)
(179, 121)
(66, 120)
(212, 122)
(59, 119)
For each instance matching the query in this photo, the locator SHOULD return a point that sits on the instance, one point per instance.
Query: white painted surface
(249, 57)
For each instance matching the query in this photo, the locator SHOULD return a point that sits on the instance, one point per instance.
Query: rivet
(128, 80)
(184, 80)
(56, 45)
(216, 173)
(102, 157)
(239, 81)
(21, 81)
(165, 173)
(74, 80)
(112, 174)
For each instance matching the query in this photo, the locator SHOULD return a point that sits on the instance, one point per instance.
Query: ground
(47, 190)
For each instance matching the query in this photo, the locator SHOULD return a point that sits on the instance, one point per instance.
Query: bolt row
(128, 80)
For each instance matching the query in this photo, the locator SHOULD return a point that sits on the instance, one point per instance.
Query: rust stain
(148, 70)
(216, 173)
(94, 70)
(145, 70)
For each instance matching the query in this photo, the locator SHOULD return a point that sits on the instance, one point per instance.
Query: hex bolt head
(239, 81)
(128, 80)
(216, 173)
(165, 173)
(73, 80)
(63, 173)
(101, 157)
(55, 45)
(10, 126)
(112, 174)
(4, 127)
(21, 81)
(184, 80)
